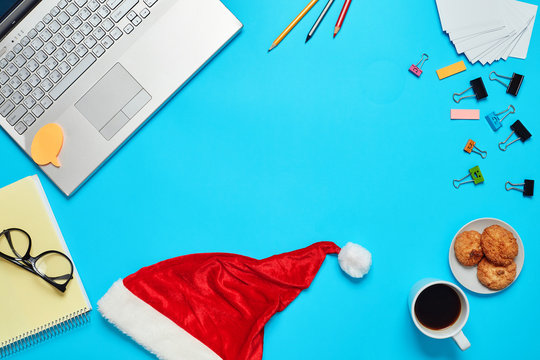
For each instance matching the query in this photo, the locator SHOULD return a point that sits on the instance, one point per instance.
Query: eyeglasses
(52, 266)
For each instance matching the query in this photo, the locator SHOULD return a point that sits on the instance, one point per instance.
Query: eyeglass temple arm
(61, 277)
(19, 263)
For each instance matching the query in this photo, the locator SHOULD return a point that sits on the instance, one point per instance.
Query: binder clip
(521, 132)
(493, 119)
(476, 177)
(527, 187)
(478, 88)
(417, 69)
(471, 148)
(515, 82)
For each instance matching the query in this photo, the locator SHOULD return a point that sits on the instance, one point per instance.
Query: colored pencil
(341, 17)
(293, 24)
(319, 20)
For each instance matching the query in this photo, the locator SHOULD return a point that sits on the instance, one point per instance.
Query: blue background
(263, 153)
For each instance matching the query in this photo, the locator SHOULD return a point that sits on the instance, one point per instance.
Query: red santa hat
(215, 306)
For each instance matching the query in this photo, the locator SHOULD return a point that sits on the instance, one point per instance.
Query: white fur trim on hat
(355, 260)
(151, 329)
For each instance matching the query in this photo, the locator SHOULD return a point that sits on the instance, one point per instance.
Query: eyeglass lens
(55, 266)
(52, 265)
(14, 243)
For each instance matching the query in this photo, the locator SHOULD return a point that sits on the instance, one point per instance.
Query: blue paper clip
(495, 122)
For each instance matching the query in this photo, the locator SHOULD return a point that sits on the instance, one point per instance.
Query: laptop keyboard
(57, 51)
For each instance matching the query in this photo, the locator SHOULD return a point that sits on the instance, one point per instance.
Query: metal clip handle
(459, 182)
(482, 153)
(422, 60)
(512, 186)
(501, 76)
(461, 98)
(505, 141)
(511, 110)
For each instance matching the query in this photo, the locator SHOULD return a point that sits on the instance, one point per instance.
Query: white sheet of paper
(477, 54)
(471, 32)
(488, 30)
(459, 14)
(494, 53)
(514, 20)
(522, 46)
(479, 41)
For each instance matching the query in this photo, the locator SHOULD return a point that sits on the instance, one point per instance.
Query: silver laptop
(99, 69)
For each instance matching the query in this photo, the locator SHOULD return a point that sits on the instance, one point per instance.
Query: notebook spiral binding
(44, 332)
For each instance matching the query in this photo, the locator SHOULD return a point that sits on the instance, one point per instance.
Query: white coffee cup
(453, 331)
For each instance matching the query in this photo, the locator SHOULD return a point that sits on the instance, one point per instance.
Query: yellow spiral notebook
(31, 310)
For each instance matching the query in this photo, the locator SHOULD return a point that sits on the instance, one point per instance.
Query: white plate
(466, 275)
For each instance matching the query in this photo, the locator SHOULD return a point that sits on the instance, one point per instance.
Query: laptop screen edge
(15, 14)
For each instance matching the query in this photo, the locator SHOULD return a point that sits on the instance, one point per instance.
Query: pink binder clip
(417, 69)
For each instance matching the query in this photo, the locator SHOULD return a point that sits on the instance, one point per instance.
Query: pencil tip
(271, 47)
(307, 38)
(336, 30)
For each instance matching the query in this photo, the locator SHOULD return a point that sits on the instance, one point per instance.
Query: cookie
(496, 277)
(468, 249)
(499, 245)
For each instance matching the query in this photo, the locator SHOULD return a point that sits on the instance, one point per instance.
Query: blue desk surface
(264, 153)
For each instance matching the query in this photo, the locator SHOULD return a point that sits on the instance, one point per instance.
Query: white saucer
(466, 275)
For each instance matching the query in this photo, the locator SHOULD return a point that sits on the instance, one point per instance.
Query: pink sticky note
(464, 114)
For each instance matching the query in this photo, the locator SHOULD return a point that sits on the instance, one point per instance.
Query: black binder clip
(527, 187)
(478, 88)
(515, 82)
(521, 132)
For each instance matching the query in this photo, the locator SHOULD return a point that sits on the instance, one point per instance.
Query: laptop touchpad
(113, 101)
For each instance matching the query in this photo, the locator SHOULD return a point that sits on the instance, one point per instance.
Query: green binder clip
(476, 177)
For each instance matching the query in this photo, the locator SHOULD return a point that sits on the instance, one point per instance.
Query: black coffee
(437, 307)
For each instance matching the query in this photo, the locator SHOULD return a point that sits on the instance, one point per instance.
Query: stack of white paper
(488, 30)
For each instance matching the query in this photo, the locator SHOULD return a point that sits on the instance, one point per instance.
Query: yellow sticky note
(47, 144)
(451, 70)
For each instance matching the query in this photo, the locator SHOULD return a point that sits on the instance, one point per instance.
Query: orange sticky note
(464, 114)
(451, 70)
(47, 144)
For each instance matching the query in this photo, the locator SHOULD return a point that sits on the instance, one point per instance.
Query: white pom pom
(355, 260)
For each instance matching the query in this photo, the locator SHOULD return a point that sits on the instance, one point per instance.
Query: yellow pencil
(293, 24)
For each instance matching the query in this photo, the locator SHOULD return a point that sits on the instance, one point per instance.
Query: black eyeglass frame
(28, 262)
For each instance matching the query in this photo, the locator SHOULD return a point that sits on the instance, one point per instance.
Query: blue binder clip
(495, 122)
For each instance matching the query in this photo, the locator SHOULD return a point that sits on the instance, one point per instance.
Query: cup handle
(462, 341)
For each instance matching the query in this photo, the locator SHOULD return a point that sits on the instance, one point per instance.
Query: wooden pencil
(319, 20)
(293, 24)
(341, 17)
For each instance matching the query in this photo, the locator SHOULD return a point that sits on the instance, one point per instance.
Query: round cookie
(499, 245)
(468, 249)
(495, 277)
